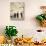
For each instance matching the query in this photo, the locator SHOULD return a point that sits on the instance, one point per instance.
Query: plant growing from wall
(42, 19)
(10, 31)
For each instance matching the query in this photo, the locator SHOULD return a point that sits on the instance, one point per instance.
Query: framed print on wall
(17, 10)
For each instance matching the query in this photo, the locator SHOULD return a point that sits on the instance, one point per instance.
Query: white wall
(29, 24)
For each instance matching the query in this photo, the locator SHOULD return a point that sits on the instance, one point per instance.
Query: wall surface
(28, 26)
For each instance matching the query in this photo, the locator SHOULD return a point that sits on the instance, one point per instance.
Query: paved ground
(30, 45)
